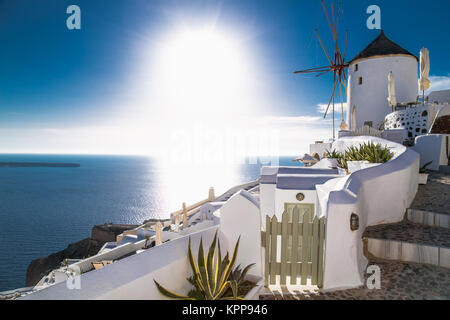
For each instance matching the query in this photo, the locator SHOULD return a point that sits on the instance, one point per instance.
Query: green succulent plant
(354, 154)
(371, 152)
(211, 276)
(424, 168)
(333, 154)
(342, 162)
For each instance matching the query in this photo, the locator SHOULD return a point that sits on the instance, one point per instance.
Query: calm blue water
(42, 210)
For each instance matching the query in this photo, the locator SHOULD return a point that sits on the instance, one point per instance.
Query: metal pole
(333, 121)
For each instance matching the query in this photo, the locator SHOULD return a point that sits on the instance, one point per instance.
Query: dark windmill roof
(381, 46)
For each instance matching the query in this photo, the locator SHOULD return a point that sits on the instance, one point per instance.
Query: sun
(201, 71)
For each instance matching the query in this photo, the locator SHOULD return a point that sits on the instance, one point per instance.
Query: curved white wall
(370, 98)
(378, 195)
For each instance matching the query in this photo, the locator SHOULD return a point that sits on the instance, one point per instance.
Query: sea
(44, 209)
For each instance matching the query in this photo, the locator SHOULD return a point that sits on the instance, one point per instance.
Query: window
(368, 123)
(360, 80)
(355, 68)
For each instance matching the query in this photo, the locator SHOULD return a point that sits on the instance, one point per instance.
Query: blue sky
(90, 90)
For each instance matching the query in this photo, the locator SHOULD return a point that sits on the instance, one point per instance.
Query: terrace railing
(176, 217)
(181, 216)
(366, 131)
(186, 211)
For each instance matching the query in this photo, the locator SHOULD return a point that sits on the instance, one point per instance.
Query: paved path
(399, 281)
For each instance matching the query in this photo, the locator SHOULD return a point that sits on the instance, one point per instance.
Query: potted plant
(333, 157)
(215, 279)
(423, 173)
(343, 165)
(338, 160)
(367, 155)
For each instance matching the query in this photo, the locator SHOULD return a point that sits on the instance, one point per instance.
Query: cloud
(439, 83)
(296, 120)
(322, 107)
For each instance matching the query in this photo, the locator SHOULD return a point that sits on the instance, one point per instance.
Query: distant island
(38, 164)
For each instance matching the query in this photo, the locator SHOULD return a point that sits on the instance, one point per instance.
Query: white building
(368, 81)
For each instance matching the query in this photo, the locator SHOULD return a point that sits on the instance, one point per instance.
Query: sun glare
(201, 72)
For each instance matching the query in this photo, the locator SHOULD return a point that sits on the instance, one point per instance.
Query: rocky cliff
(78, 250)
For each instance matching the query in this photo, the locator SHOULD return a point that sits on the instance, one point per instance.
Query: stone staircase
(424, 235)
(418, 240)
(413, 255)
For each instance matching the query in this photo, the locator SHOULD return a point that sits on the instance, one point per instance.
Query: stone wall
(414, 120)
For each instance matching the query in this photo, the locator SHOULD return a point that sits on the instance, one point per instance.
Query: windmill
(337, 64)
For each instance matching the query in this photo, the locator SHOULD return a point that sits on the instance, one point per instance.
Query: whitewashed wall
(267, 190)
(132, 278)
(416, 121)
(319, 148)
(240, 217)
(432, 147)
(289, 196)
(370, 98)
(377, 195)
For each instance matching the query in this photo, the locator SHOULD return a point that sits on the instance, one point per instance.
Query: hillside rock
(101, 234)
(108, 232)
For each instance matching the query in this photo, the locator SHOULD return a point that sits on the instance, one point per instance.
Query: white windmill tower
(368, 81)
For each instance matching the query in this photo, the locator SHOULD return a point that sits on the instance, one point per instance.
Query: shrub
(332, 154)
(213, 276)
(373, 153)
(424, 168)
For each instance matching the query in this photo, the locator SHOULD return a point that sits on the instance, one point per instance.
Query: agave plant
(239, 274)
(354, 154)
(342, 162)
(373, 153)
(424, 168)
(333, 154)
(211, 276)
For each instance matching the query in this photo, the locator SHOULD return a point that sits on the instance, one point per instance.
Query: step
(409, 242)
(444, 169)
(428, 218)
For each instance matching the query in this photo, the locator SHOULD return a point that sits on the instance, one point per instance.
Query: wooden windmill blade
(331, 98)
(346, 44)
(337, 65)
(324, 72)
(319, 69)
(328, 18)
(323, 47)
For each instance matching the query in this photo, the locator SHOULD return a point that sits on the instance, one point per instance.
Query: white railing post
(185, 222)
(211, 195)
(158, 235)
(177, 223)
